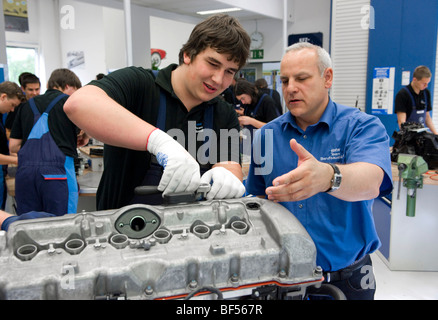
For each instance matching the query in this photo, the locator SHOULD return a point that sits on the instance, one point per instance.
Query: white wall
(100, 33)
(114, 35)
(79, 39)
(312, 16)
(173, 41)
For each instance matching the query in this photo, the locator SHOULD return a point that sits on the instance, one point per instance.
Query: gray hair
(324, 60)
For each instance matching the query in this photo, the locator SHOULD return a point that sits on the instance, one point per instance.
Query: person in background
(258, 107)
(262, 85)
(329, 162)
(10, 98)
(46, 142)
(228, 94)
(413, 102)
(31, 86)
(131, 109)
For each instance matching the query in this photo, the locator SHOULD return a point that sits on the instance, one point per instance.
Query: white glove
(225, 184)
(181, 171)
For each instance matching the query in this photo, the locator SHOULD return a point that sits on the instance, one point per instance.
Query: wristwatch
(337, 178)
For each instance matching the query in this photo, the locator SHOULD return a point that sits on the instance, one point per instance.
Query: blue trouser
(45, 178)
(49, 188)
(3, 189)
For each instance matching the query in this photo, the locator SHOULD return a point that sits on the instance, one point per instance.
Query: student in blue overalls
(258, 109)
(136, 112)
(46, 142)
(413, 102)
(10, 97)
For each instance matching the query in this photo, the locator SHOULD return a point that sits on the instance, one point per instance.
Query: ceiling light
(218, 11)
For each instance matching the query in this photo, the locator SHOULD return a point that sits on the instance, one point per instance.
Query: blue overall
(417, 115)
(155, 172)
(45, 178)
(3, 172)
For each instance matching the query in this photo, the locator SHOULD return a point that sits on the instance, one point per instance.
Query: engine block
(239, 247)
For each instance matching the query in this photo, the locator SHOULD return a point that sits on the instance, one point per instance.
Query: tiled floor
(403, 285)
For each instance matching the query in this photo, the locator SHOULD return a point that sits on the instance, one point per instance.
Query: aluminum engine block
(237, 246)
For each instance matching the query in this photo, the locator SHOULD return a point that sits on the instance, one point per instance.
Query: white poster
(383, 90)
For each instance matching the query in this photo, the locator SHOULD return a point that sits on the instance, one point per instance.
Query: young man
(46, 141)
(328, 164)
(10, 98)
(413, 102)
(30, 84)
(31, 87)
(131, 110)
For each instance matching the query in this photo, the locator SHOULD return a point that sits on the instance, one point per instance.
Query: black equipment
(413, 138)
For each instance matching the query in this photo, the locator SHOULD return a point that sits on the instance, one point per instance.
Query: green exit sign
(257, 54)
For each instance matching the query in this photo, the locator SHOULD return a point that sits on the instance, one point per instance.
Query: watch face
(256, 40)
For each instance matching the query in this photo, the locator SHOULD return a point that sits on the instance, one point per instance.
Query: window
(21, 60)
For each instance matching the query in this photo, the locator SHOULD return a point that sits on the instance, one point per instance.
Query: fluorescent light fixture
(218, 11)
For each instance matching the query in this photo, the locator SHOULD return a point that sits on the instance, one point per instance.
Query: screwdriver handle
(146, 190)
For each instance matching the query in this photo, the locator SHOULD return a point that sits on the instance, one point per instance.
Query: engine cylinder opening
(119, 241)
(201, 231)
(74, 246)
(162, 235)
(137, 223)
(240, 227)
(27, 252)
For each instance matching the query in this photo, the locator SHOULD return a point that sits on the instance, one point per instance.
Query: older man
(329, 163)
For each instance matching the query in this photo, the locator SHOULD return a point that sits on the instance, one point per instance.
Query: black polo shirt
(267, 110)
(403, 102)
(138, 90)
(275, 96)
(63, 131)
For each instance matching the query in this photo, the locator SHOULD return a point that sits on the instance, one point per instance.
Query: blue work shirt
(343, 231)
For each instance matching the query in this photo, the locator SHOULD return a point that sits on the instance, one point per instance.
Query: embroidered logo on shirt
(335, 154)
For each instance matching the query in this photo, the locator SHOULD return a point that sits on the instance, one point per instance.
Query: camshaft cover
(158, 252)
